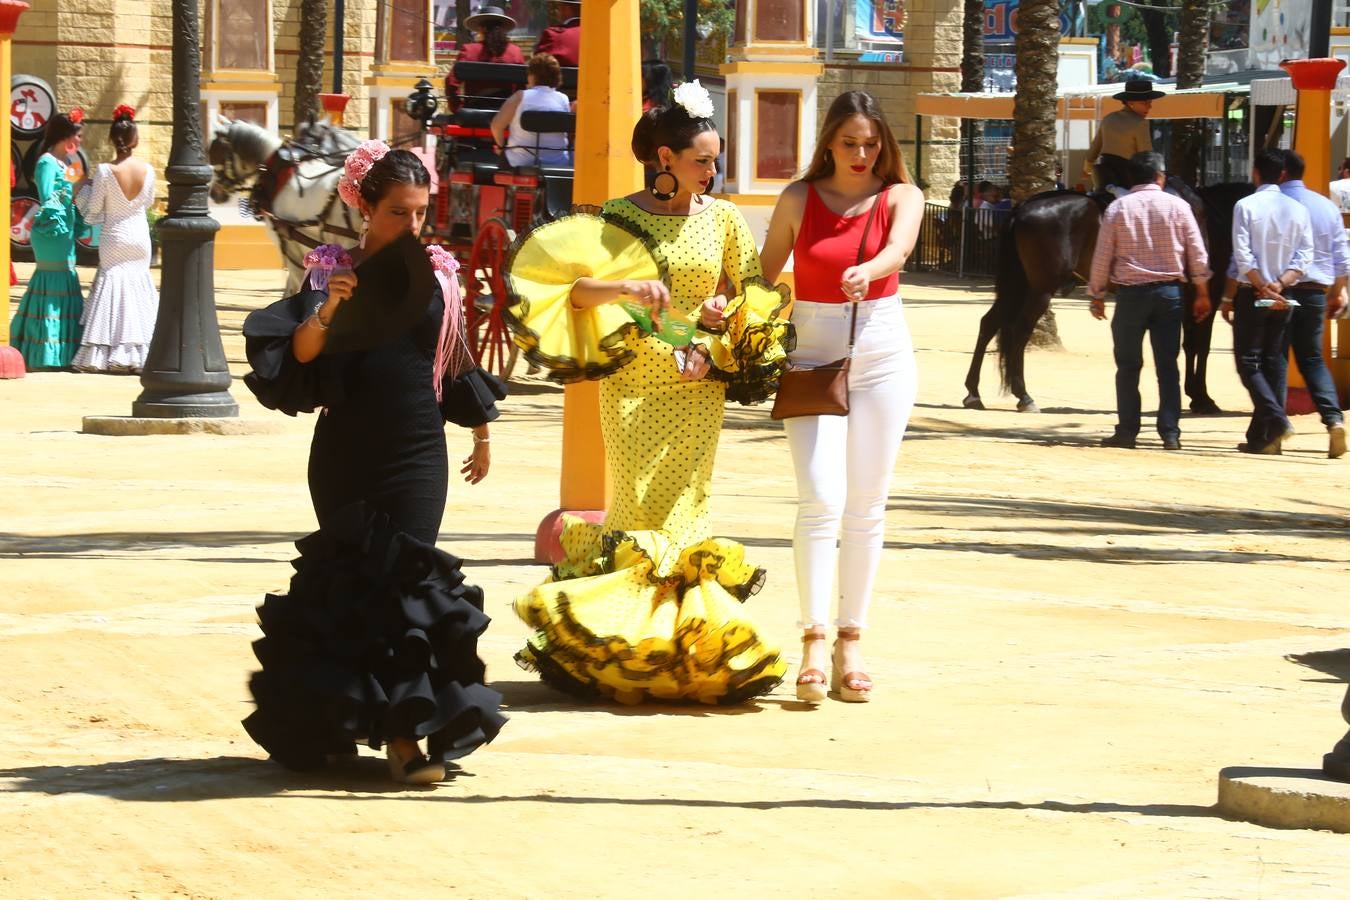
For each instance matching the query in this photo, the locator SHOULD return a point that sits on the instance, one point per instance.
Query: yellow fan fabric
(574, 344)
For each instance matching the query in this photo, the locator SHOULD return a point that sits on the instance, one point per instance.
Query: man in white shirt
(1272, 248)
(1340, 188)
(1320, 293)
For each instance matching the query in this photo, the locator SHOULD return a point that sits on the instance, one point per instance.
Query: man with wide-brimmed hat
(563, 40)
(493, 27)
(1121, 135)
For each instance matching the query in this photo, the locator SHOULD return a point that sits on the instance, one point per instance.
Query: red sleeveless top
(827, 244)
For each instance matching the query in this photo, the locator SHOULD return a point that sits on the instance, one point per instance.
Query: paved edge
(128, 426)
(1285, 798)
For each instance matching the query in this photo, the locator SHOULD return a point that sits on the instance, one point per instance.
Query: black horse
(1047, 245)
(1219, 200)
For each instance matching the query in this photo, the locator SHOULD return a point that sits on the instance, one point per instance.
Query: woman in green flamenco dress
(46, 327)
(649, 605)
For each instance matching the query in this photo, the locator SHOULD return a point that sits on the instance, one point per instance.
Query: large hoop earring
(665, 196)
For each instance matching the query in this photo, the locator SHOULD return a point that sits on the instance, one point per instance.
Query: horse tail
(1011, 292)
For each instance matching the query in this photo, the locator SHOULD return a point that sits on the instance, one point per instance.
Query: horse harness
(273, 176)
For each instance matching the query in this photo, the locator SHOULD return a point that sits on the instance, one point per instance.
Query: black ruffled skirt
(377, 639)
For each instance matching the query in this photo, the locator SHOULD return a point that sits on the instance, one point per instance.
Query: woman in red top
(494, 45)
(843, 463)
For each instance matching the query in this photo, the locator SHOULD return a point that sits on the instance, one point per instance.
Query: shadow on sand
(160, 780)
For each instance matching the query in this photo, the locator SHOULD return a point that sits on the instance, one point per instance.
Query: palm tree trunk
(1032, 166)
(972, 78)
(1159, 41)
(309, 63)
(1188, 135)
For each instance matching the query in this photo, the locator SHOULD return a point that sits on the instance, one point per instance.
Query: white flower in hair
(695, 99)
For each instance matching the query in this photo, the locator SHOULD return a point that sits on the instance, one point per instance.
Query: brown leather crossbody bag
(823, 390)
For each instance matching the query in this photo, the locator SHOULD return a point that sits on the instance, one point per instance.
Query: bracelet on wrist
(481, 440)
(318, 320)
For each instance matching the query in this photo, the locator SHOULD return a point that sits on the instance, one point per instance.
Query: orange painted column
(1314, 80)
(11, 361)
(609, 101)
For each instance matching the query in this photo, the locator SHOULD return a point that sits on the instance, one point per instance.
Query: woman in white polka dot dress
(119, 316)
(649, 604)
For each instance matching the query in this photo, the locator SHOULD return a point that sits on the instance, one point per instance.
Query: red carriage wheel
(486, 299)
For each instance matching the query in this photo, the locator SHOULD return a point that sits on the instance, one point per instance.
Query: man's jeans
(1156, 309)
(1304, 336)
(1259, 349)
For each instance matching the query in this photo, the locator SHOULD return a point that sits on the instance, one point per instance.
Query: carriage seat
(474, 118)
(506, 74)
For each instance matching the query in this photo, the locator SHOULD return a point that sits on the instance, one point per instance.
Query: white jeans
(843, 463)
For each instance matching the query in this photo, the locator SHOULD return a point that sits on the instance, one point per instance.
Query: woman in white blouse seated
(541, 94)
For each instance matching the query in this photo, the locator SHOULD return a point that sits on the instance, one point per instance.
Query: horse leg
(1196, 338)
(1017, 353)
(988, 328)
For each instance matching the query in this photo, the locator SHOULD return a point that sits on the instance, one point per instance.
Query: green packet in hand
(675, 329)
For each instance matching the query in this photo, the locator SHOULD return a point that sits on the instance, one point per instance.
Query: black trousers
(1259, 351)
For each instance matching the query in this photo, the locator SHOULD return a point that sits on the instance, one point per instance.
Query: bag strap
(862, 252)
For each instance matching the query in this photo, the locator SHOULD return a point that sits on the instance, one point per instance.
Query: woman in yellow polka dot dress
(649, 605)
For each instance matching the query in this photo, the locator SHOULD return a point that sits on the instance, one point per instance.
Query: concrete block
(132, 426)
(1285, 798)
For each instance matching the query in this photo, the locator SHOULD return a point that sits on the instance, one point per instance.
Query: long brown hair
(890, 165)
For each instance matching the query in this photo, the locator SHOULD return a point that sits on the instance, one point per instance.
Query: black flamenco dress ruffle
(376, 639)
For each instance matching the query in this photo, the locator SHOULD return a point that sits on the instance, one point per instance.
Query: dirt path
(1068, 643)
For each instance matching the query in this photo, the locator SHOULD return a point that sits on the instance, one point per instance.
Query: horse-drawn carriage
(480, 203)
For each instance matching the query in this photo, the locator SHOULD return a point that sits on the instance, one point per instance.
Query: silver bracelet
(478, 440)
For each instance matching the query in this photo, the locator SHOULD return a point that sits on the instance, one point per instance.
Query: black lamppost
(186, 375)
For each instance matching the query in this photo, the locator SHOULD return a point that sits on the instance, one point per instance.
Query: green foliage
(663, 20)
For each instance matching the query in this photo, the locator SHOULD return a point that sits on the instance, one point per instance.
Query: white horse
(293, 185)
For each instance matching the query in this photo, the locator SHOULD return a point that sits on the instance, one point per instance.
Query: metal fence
(961, 242)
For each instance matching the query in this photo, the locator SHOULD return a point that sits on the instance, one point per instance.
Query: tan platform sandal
(811, 682)
(851, 687)
(415, 770)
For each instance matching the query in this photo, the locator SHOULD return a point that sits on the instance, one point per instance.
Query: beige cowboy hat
(1138, 89)
(486, 15)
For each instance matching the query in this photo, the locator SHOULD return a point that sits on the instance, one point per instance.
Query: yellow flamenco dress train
(647, 605)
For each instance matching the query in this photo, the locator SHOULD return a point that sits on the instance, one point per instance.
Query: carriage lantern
(421, 104)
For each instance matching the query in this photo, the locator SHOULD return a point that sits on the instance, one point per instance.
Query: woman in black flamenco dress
(377, 638)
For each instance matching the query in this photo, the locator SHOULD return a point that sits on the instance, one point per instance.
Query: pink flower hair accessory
(357, 167)
(323, 261)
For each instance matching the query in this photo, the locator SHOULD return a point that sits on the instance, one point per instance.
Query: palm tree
(309, 63)
(1032, 166)
(972, 70)
(1188, 135)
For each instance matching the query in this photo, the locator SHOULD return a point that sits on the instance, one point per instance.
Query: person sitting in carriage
(563, 40)
(541, 94)
(493, 27)
(1121, 135)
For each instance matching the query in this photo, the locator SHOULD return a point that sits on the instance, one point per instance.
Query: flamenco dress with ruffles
(377, 637)
(46, 325)
(649, 604)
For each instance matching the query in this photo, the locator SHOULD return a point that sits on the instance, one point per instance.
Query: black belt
(1152, 284)
(1310, 286)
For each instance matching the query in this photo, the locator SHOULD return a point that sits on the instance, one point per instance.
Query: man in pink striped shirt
(1148, 246)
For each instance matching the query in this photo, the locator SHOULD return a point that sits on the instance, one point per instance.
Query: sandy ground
(1068, 643)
